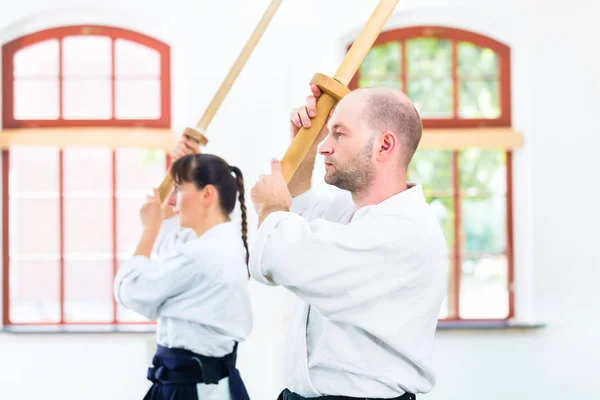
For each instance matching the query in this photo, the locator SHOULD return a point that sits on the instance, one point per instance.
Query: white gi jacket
(197, 289)
(369, 284)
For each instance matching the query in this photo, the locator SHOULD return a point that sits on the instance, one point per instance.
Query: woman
(197, 287)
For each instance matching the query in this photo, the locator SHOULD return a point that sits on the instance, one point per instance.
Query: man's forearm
(301, 181)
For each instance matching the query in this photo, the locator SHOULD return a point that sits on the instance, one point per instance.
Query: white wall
(556, 95)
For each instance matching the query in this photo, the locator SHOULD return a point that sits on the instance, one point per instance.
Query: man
(368, 268)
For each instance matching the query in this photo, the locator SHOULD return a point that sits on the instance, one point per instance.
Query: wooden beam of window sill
(164, 139)
(83, 328)
(147, 138)
(487, 325)
(464, 138)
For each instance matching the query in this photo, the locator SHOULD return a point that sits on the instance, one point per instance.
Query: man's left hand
(271, 193)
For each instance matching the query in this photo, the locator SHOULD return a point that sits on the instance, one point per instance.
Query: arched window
(49, 76)
(73, 99)
(460, 83)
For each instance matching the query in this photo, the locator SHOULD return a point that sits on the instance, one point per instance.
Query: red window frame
(10, 48)
(455, 35)
(504, 120)
(9, 122)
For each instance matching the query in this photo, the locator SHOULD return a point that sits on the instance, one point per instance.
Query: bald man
(368, 268)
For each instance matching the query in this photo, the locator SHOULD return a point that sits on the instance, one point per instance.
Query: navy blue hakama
(176, 372)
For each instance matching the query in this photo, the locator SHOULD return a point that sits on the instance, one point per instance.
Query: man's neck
(378, 192)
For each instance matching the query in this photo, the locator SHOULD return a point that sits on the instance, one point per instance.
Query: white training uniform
(369, 286)
(197, 290)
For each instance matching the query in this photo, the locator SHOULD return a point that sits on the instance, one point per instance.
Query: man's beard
(357, 174)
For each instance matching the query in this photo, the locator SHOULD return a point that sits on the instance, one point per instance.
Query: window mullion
(112, 80)
(509, 235)
(455, 81)
(403, 70)
(5, 238)
(457, 259)
(114, 228)
(114, 177)
(61, 243)
(60, 78)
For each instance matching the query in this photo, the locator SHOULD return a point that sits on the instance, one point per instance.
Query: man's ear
(387, 145)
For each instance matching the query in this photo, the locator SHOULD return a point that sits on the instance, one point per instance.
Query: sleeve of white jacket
(167, 228)
(143, 285)
(305, 204)
(329, 265)
(171, 235)
(337, 207)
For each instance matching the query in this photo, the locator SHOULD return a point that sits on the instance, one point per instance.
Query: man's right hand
(301, 116)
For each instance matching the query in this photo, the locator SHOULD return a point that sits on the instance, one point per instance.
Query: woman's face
(189, 203)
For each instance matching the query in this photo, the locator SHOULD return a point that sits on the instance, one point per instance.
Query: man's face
(348, 149)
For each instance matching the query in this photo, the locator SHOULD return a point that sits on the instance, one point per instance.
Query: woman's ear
(209, 195)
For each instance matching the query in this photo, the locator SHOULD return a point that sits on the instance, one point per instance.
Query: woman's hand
(150, 212)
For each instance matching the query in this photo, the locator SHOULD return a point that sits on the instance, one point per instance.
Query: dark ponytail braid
(240, 184)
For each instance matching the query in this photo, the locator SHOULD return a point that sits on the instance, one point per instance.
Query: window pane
(34, 223)
(429, 64)
(482, 172)
(484, 224)
(444, 308)
(133, 59)
(476, 62)
(33, 169)
(88, 290)
(479, 99)
(444, 210)
(431, 97)
(484, 287)
(36, 99)
(34, 291)
(433, 169)
(382, 66)
(88, 225)
(37, 60)
(87, 56)
(139, 170)
(371, 82)
(87, 99)
(137, 99)
(429, 57)
(88, 169)
(129, 227)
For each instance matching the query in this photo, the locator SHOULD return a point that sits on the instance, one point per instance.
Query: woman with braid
(197, 287)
